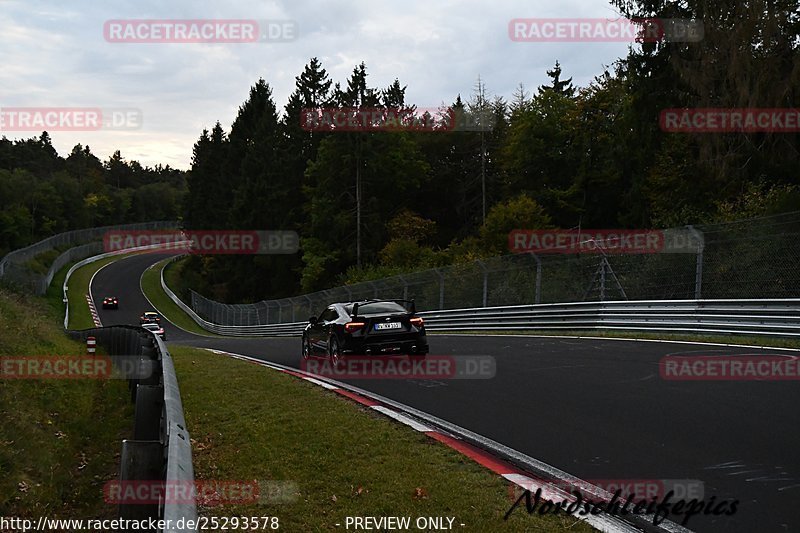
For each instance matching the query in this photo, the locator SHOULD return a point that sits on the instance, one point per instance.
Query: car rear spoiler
(412, 310)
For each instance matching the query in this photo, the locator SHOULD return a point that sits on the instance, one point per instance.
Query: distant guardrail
(769, 317)
(14, 269)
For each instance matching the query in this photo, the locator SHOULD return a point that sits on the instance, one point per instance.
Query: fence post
(485, 281)
(698, 274)
(603, 279)
(538, 294)
(441, 288)
(405, 287)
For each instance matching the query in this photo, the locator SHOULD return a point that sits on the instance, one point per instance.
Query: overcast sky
(55, 54)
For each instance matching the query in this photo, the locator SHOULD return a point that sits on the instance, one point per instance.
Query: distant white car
(155, 328)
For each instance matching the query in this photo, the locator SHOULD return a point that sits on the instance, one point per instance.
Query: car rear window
(374, 308)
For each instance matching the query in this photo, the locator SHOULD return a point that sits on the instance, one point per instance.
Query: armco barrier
(160, 448)
(779, 318)
(14, 269)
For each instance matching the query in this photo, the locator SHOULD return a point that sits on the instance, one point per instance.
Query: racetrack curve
(597, 409)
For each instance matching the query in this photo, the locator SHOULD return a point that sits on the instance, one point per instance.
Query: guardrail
(775, 317)
(233, 331)
(160, 450)
(13, 268)
(779, 317)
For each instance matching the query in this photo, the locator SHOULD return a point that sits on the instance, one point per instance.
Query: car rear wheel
(334, 352)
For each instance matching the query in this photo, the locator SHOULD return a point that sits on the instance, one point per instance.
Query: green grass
(344, 459)
(718, 339)
(151, 287)
(173, 276)
(59, 439)
(41, 263)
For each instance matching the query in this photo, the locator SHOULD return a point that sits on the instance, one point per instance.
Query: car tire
(306, 353)
(334, 352)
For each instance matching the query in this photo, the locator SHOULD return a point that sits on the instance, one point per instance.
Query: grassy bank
(341, 458)
(151, 287)
(59, 439)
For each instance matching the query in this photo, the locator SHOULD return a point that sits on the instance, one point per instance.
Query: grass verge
(151, 287)
(344, 459)
(59, 439)
(175, 278)
(752, 340)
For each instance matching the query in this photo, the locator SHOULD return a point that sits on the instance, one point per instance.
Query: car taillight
(350, 327)
(417, 321)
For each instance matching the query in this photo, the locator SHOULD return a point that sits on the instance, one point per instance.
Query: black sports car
(368, 327)
(110, 302)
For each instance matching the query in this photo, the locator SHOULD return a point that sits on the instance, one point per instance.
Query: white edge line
(98, 322)
(321, 383)
(402, 418)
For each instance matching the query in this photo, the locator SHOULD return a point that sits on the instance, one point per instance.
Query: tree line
(559, 156)
(42, 193)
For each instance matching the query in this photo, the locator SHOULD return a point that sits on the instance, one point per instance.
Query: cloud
(56, 55)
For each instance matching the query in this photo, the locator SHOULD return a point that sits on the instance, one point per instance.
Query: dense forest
(557, 155)
(42, 193)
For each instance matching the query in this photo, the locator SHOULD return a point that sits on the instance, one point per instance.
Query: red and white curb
(510, 472)
(93, 311)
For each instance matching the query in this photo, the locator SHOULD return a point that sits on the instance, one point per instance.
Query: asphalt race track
(597, 409)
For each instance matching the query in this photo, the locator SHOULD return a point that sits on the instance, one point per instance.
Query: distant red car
(110, 302)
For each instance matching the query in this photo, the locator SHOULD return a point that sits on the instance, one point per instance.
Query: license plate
(389, 325)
